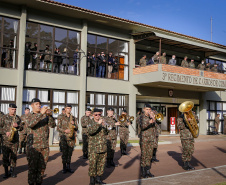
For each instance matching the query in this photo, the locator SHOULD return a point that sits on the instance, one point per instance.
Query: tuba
(71, 128)
(186, 108)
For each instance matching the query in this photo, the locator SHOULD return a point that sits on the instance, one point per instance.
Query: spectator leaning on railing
(172, 61)
(184, 63)
(163, 58)
(202, 65)
(208, 67)
(214, 68)
(143, 61)
(191, 64)
(156, 57)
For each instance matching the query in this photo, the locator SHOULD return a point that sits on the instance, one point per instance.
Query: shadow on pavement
(221, 149)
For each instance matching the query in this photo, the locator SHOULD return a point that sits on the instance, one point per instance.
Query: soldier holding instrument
(38, 122)
(97, 147)
(85, 122)
(187, 141)
(10, 125)
(146, 131)
(67, 125)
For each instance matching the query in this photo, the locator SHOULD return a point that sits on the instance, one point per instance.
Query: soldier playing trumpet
(67, 125)
(10, 125)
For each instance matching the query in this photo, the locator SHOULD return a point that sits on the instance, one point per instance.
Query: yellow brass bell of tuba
(159, 117)
(71, 128)
(186, 108)
(12, 130)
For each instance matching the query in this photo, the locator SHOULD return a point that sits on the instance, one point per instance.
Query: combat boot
(69, 168)
(186, 167)
(121, 151)
(64, 168)
(99, 181)
(190, 166)
(12, 172)
(6, 172)
(92, 181)
(143, 172)
(148, 173)
(20, 151)
(154, 159)
(85, 156)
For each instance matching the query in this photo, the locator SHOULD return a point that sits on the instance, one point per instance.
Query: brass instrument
(123, 118)
(186, 108)
(159, 117)
(55, 111)
(109, 127)
(71, 127)
(12, 130)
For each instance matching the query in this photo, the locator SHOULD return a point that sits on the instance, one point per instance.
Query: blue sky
(190, 17)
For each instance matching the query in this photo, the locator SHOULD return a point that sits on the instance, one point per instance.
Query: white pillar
(203, 112)
(20, 78)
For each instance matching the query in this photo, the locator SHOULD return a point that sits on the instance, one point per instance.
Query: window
(215, 108)
(8, 42)
(7, 96)
(120, 57)
(61, 54)
(53, 99)
(103, 101)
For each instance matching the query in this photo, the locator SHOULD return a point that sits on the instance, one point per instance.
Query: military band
(99, 134)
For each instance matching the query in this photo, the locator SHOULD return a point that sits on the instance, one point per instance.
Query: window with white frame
(7, 96)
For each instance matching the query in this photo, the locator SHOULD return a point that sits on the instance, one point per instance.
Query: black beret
(12, 105)
(124, 110)
(110, 108)
(27, 108)
(35, 100)
(68, 105)
(97, 110)
(147, 105)
(88, 109)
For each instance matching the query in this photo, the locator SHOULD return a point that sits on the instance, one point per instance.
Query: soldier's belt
(84, 126)
(124, 126)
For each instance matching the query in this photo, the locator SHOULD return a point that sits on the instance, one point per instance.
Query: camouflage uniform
(1, 139)
(97, 148)
(38, 145)
(191, 65)
(162, 60)
(143, 62)
(184, 63)
(201, 66)
(156, 140)
(9, 147)
(147, 138)
(214, 69)
(85, 122)
(124, 136)
(216, 124)
(111, 139)
(23, 134)
(155, 59)
(67, 144)
(187, 139)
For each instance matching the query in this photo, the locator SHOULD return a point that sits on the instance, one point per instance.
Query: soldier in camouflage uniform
(202, 65)
(112, 136)
(156, 58)
(97, 147)
(1, 139)
(124, 134)
(163, 58)
(191, 64)
(157, 132)
(184, 63)
(67, 143)
(85, 122)
(62, 113)
(214, 68)
(23, 133)
(143, 61)
(146, 132)
(187, 141)
(38, 122)
(10, 147)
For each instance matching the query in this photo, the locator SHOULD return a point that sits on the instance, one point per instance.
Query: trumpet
(55, 111)
(109, 127)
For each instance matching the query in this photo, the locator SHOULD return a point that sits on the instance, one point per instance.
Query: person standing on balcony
(216, 123)
(173, 61)
(156, 57)
(214, 68)
(163, 58)
(191, 64)
(208, 67)
(143, 61)
(102, 65)
(202, 65)
(184, 63)
(110, 64)
(47, 58)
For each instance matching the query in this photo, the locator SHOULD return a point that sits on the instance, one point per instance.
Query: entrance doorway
(172, 112)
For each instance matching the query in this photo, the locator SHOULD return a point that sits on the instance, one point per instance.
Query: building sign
(193, 80)
(172, 125)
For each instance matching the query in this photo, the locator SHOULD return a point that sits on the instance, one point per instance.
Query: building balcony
(177, 77)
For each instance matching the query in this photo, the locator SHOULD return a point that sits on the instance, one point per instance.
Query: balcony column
(83, 78)
(20, 78)
(202, 116)
(160, 48)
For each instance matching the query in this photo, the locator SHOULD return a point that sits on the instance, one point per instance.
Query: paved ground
(209, 160)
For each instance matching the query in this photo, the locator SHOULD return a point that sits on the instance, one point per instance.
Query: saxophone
(71, 127)
(12, 130)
